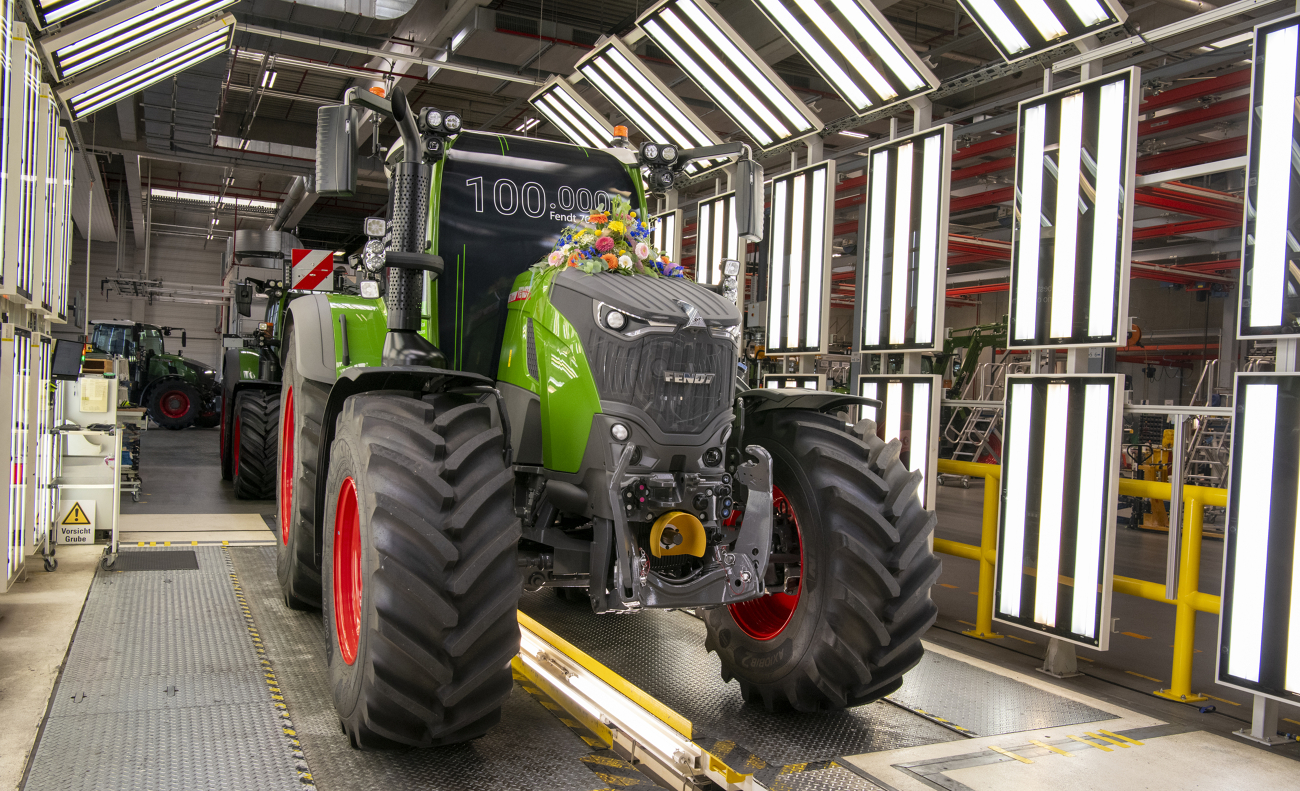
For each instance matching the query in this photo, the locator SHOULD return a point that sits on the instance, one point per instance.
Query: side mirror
(182, 339)
(748, 182)
(244, 298)
(336, 151)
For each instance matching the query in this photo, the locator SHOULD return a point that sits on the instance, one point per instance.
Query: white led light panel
(1020, 28)
(666, 234)
(854, 48)
(55, 12)
(22, 207)
(1056, 524)
(794, 381)
(1072, 230)
(1269, 296)
(799, 252)
(567, 111)
(909, 414)
(1259, 622)
(43, 236)
(728, 71)
(41, 447)
(716, 238)
(901, 296)
(15, 400)
(61, 241)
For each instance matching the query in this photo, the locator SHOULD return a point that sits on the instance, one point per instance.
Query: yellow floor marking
(967, 623)
(1148, 678)
(1010, 754)
(946, 585)
(1021, 639)
(1047, 746)
(1112, 741)
(1135, 634)
(1293, 722)
(167, 543)
(194, 543)
(1090, 744)
(1117, 736)
(1222, 700)
(974, 593)
(1086, 659)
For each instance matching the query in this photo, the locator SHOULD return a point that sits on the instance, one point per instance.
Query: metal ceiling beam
(133, 192)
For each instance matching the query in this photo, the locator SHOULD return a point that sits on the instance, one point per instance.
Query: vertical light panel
(63, 221)
(666, 234)
(798, 273)
(15, 384)
(1071, 231)
(43, 241)
(22, 132)
(1056, 528)
(560, 103)
(1269, 301)
(716, 237)
(900, 296)
(1021, 28)
(1259, 622)
(909, 407)
(40, 441)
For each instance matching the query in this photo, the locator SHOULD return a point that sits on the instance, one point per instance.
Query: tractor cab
(177, 392)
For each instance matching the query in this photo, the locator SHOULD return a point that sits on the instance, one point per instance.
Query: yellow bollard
(988, 553)
(1189, 580)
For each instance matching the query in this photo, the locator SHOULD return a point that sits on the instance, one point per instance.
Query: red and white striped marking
(312, 269)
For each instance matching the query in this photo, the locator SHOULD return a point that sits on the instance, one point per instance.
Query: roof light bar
(906, 242)
(910, 406)
(1259, 625)
(1075, 174)
(1269, 306)
(621, 77)
(53, 12)
(854, 48)
(716, 58)
(1020, 28)
(1060, 472)
(90, 44)
(94, 91)
(559, 103)
(798, 276)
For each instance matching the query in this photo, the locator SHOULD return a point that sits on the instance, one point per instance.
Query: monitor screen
(67, 359)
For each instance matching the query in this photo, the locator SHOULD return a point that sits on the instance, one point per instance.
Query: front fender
(318, 333)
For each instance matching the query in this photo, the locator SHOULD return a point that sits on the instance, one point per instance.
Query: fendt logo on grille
(682, 378)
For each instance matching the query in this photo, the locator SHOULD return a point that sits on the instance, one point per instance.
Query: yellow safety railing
(1188, 602)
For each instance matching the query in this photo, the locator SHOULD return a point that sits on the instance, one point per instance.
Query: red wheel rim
(286, 465)
(174, 404)
(347, 571)
(766, 617)
(238, 430)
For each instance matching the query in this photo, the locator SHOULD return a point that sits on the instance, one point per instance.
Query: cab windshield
(151, 341)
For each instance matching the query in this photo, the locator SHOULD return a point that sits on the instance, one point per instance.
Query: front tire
(421, 584)
(302, 406)
(174, 405)
(863, 599)
(254, 440)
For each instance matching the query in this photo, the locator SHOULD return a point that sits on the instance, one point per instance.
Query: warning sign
(76, 522)
(312, 270)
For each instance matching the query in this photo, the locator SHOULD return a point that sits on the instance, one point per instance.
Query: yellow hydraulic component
(677, 533)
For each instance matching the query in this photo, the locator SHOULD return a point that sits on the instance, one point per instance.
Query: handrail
(1189, 601)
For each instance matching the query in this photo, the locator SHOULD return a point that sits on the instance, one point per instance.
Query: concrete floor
(181, 471)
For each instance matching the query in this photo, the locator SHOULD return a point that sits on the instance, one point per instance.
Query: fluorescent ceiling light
(528, 124)
(855, 49)
(798, 281)
(52, 12)
(559, 103)
(715, 57)
(95, 42)
(858, 135)
(906, 242)
(208, 198)
(268, 78)
(1020, 28)
(94, 91)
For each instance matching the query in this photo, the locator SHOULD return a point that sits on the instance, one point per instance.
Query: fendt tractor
(470, 427)
(177, 392)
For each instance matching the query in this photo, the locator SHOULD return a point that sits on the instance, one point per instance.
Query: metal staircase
(980, 429)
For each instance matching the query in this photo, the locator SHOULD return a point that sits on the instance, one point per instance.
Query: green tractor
(176, 391)
(470, 428)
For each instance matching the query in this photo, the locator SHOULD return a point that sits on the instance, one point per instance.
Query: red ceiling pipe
(1182, 228)
(984, 289)
(983, 168)
(985, 198)
(985, 147)
(1159, 201)
(1195, 116)
(1193, 155)
(1221, 84)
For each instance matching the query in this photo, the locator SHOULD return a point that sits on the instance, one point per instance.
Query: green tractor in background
(469, 428)
(177, 392)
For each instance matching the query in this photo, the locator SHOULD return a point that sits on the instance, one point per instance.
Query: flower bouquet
(610, 241)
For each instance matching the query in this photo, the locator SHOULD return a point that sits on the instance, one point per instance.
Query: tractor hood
(662, 300)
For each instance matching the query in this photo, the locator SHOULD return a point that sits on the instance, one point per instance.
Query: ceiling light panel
(731, 74)
(95, 90)
(1056, 527)
(666, 234)
(656, 112)
(799, 251)
(97, 41)
(902, 293)
(1269, 297)
(1020, 28)
(56, 12)
(1072, 229)
(1259, 629)
(560, 104)
(796, 381)
(908, 413)
(716, 237)
(854, 48)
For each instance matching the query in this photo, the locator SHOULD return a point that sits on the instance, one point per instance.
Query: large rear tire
(302, 405)
(854, 625)
(254, 436)
(174, 404)
(421, 581)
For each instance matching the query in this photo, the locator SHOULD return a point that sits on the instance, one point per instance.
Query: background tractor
(176, 391)
(470, 427)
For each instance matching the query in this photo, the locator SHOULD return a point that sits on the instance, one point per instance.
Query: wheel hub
(766, 617)
(174, 404)
(347, 571)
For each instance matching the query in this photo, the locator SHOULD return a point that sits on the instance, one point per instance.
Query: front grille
(632, 372)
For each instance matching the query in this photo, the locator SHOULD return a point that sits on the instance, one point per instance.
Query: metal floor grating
(163, 689)
(161, 560)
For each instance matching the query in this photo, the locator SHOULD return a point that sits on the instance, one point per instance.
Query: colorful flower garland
(610, 241)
